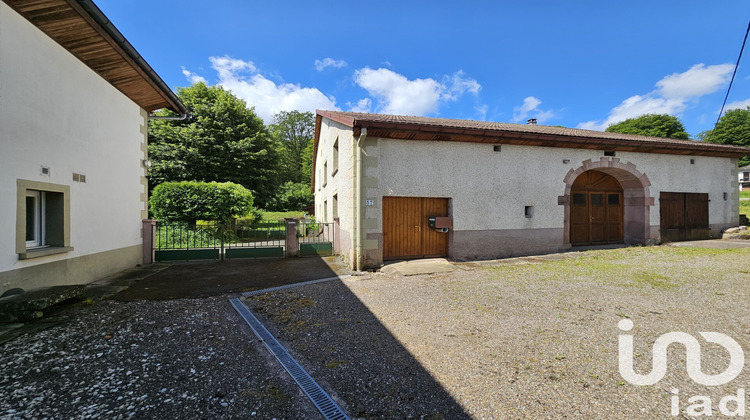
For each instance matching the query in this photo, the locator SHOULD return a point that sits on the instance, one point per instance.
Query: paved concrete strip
(426, 266)
(289, 286)
(323, 402)
(713, 243)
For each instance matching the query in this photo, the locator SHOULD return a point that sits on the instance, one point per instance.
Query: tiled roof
(425, 128)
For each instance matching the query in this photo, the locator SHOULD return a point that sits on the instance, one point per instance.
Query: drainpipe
(358, 197)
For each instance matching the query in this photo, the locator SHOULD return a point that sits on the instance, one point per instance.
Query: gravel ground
(186, 358)
(522, 338)
(519, 338)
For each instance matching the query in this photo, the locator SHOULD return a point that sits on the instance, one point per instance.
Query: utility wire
(732, 80)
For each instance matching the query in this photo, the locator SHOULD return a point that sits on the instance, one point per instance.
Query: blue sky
(582, 64)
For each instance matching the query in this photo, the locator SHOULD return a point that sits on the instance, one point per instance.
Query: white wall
(489, 189)
(56, 112)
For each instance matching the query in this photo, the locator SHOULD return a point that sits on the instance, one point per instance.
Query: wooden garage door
(683, 216)
(405, 231)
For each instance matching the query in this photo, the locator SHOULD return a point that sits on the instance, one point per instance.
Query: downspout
(358, 197)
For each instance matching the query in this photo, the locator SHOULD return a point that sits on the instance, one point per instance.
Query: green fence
(212, 241)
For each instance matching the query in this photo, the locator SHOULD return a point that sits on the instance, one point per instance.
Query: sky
(577, 63)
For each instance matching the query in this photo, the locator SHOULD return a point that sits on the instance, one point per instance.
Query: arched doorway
(596, 209)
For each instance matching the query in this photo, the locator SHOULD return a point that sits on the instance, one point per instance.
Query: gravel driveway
(519, 338)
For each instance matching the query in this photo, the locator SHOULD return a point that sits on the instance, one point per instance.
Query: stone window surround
(22, 186)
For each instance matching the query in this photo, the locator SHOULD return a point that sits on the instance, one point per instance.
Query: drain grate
(323, 402)
(288, 286)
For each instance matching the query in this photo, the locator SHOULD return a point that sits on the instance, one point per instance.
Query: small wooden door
(405, 231)
(596, 210)
(683, 216)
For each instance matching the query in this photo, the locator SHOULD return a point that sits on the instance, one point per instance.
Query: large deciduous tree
(222, 141)
(294, 130)
(654, 125)
(733, 128)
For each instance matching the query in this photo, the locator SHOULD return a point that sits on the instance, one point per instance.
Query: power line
(733, 74)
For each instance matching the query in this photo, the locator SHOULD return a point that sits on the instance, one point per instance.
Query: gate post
(292, 241)
(149, 239)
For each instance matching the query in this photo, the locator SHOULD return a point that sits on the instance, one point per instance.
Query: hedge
(190, 201)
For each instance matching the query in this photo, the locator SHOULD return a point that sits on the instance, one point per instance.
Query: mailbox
(440, 222)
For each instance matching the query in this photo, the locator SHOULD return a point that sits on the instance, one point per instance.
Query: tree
(221, 141)
(294, 131)
(655, 125)
(292, 196)
(733, 128)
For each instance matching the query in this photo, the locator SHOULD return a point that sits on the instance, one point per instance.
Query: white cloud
(363, 105)
(673, 94)
(699, 80)
(482, 111)
(398, 95)
(530, 109)
(320, 65)
(193, 78)
(266, 96)
(738, 105)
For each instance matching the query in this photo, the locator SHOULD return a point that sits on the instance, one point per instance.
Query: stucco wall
(339, 183)
(57, 113)
(490, 189)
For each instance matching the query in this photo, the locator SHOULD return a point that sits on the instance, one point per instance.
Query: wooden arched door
(596, 208)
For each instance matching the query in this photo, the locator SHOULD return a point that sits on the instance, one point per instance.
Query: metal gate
(218, 241)
(315, 238)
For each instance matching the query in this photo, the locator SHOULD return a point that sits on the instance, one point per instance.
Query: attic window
(692, 161)
(529, 212)
(496, 148)
(609, 153)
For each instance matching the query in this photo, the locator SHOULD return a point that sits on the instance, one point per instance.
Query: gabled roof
(440, 129)
(82, 29)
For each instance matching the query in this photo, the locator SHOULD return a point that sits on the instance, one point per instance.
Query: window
(325, 211)
(34, 218)
(43, 219)
(335, 161)
(335, 204)
(325, 174)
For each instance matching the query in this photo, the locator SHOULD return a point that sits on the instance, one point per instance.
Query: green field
(745, 204)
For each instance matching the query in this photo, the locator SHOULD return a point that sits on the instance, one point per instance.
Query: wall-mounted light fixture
(146, 163)
(726, 196)
(566, 161)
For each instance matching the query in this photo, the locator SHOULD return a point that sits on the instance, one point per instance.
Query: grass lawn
(745, 204)
(274, 216)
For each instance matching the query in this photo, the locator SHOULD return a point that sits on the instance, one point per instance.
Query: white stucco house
(74, 103)
(400, 187)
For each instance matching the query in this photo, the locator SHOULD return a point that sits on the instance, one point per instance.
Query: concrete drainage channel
(322, 401)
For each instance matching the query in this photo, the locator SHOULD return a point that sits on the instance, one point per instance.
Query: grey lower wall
(79, 270)
(486, 244)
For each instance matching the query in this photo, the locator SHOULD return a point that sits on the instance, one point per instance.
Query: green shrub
(190, 201)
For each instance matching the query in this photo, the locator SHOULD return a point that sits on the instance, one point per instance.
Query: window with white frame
(34, 218)
(335, 160)
(43, 219)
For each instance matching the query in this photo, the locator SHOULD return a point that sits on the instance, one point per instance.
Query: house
(744, 177)
(401, 187)
(74, 103)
